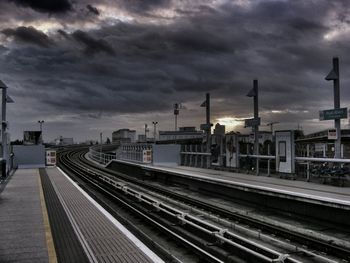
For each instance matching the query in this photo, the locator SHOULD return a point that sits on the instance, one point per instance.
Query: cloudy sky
(87, 66)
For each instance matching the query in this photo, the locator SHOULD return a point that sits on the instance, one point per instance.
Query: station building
(183, 133)
(124, 136)
(321, 145)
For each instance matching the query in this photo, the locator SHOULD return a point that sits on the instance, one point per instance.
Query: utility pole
(207, 99)
(256, 121)
(154, 130)
(334, 75)
(207, 126)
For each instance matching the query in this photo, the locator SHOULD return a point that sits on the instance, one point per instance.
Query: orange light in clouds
(230, 122)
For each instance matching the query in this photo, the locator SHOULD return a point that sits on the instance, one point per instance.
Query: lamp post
(255, 94)
(154, 130)
(207, 126)
(176, 112)
(41, 122)
(5, 99)
(334, 75)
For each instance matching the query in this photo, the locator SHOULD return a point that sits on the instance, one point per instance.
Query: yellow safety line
(49, 240)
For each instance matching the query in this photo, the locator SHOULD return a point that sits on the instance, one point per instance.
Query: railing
(126, 152)
(309, 160)
(135, 152)
(195, 156)
(100, 156)
(342, 175)
(258, 157)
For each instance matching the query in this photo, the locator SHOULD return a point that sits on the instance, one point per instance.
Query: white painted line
(75, 226)
(125, 231)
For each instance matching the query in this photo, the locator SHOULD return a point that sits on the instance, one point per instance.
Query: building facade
(124, 136)
(182, 134)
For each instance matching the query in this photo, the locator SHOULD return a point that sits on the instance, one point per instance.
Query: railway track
(212, 242)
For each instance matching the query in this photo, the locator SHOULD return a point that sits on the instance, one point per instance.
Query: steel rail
(285, 233)
(258, 251)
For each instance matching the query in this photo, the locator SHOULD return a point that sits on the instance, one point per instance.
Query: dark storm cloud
(143, 68)
(93, 10)
(141, 6)
(46, 6)
(91, 44)
(28, 35)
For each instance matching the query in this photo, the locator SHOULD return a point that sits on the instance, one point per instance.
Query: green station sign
(333, 114)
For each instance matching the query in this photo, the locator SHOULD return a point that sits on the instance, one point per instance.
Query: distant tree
(96, 143)
(108, 141)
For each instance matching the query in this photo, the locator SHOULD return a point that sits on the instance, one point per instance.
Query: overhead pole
(176, 112)
(256, 116)
(207, 106)
(334, 75)
(256, 121)
(207, 126)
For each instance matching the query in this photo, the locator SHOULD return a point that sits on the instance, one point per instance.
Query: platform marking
(154, 257)
(78, 233)
(48, 234)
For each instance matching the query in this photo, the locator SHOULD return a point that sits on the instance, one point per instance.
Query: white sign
(51, 157)
(332, 134)
(147, 156)
(252, 122)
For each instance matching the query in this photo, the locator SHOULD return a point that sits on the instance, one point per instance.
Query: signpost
(334, 76)
(206, 126)
(334, 114)
(332, 134)
(252, 122)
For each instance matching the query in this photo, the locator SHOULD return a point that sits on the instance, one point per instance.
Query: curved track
(192, 232)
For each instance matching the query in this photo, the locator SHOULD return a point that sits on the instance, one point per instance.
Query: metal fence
(135, 152)
(126, 152)
(195, 156)
(100, 156)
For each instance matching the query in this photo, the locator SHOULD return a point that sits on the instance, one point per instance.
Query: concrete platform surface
(102, 236)
(298, 189)
(26, 233)
(22, 232)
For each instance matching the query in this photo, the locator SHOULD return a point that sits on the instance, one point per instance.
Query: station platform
(46, 217)
(327, 195)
